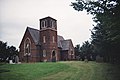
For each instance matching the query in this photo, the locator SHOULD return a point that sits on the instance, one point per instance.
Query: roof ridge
(47, 17)
(32, 28)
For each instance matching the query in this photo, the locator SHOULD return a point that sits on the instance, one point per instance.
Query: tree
(77, 50)
(105, 35)
(7, 51)
(87, 50)
(3, 50)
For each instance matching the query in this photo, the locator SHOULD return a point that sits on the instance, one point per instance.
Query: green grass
(69, 70)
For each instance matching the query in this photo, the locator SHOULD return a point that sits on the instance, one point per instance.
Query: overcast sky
(16, 15)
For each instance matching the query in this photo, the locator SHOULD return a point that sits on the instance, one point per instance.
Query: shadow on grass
(4, 70)
(2, 64)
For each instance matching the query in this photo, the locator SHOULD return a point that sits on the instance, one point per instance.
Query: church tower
(48, 39)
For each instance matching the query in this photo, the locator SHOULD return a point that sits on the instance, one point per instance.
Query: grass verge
(69, 70)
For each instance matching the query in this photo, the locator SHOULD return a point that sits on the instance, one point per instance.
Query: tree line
(7, 52)
(86, 51)
(105, 38)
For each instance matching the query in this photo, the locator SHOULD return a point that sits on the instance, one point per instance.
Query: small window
(44, 40)
(44, 53)
(53, 24)
(45, 23)
(42, 24)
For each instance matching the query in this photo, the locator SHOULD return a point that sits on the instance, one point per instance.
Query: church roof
(60, 38)
(35, 34)
(66, 44)
(62, 43)
(48, 18)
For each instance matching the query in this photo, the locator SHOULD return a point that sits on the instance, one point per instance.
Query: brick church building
(45, 44)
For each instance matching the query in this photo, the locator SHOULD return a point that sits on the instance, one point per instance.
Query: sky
(16, 15)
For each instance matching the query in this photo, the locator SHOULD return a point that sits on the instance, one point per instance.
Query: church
(45, 44)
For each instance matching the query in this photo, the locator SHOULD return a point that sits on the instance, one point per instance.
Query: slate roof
(66, 44)
(60, 38)
(48, 17)
(35, 34)
(62, 43)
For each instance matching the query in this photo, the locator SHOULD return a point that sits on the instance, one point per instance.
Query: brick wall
(49, 46)
(34, 57)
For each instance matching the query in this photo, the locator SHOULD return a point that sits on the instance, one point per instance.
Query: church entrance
(53, 56)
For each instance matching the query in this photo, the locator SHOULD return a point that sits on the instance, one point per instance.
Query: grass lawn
(69, 70)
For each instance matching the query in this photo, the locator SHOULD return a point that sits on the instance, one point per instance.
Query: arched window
(43, 24)
(27, 47)
(44, 53)
(53, 24)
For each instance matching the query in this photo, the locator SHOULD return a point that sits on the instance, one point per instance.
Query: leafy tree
(105, 35)
(3, 50)
(87, 50)
(7, 51)
(77, 50)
